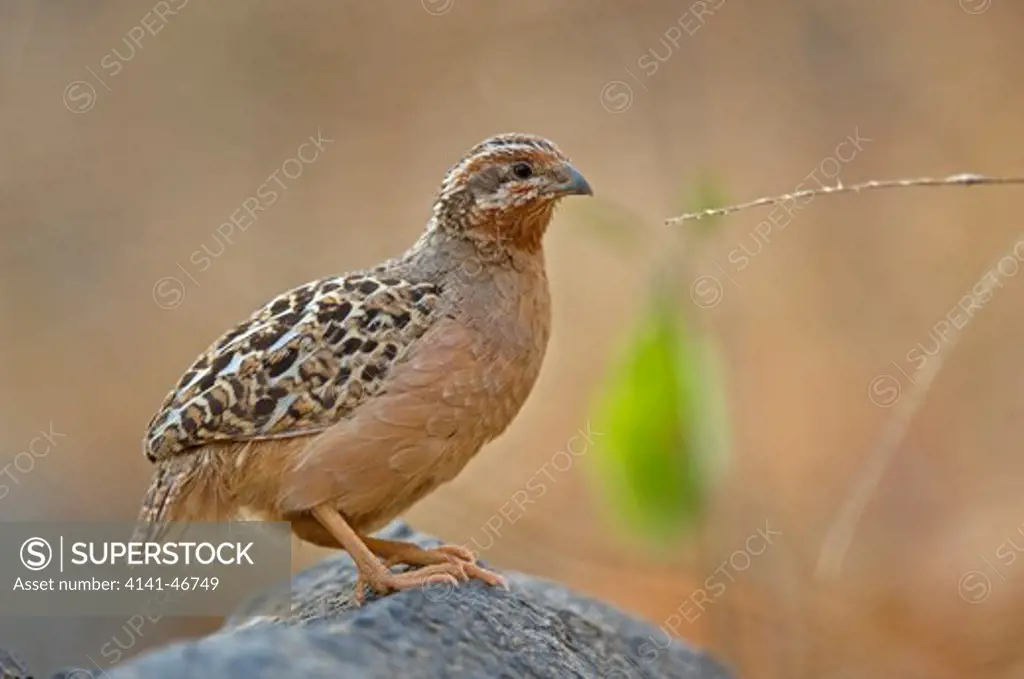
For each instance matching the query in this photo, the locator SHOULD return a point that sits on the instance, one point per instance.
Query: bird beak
(575, 185)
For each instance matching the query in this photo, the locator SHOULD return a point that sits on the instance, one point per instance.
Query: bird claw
(457, 552)
(447, 564)
(387, 583)
(491, 578)
(461, 557)
(424, 557)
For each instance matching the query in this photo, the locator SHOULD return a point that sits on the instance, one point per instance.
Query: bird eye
(522, 170)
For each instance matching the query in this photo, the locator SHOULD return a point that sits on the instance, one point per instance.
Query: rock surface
(538, 629)
(12, 667)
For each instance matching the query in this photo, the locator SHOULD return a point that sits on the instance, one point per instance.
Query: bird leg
(372, 572)
(413, 555)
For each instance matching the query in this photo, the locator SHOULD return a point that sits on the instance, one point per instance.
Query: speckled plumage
(339, 404)
(296, 366)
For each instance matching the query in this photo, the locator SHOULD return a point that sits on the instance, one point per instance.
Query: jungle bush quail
(341, 403)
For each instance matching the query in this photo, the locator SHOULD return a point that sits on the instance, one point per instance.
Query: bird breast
(511, 318)
(460, 386)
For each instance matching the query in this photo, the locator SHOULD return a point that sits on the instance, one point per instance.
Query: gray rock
(12, 667)
(538, 629)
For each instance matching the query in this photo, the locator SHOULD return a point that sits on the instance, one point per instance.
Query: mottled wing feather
(298, 365)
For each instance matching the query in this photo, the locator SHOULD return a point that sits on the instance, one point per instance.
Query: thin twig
(964, 179)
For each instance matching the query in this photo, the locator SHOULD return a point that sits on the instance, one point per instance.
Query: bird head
(506, 188)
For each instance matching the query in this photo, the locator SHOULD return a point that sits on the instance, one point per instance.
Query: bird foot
(387, 582)
(448, 564)
(464, 559)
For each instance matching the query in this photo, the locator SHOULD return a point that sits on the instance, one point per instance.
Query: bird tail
(179, 491)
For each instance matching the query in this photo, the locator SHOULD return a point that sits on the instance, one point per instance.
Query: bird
(341, 403)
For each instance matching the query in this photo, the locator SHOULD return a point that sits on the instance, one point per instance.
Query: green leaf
(661, 416)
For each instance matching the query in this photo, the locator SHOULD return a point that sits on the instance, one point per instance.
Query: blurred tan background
(107, 188)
